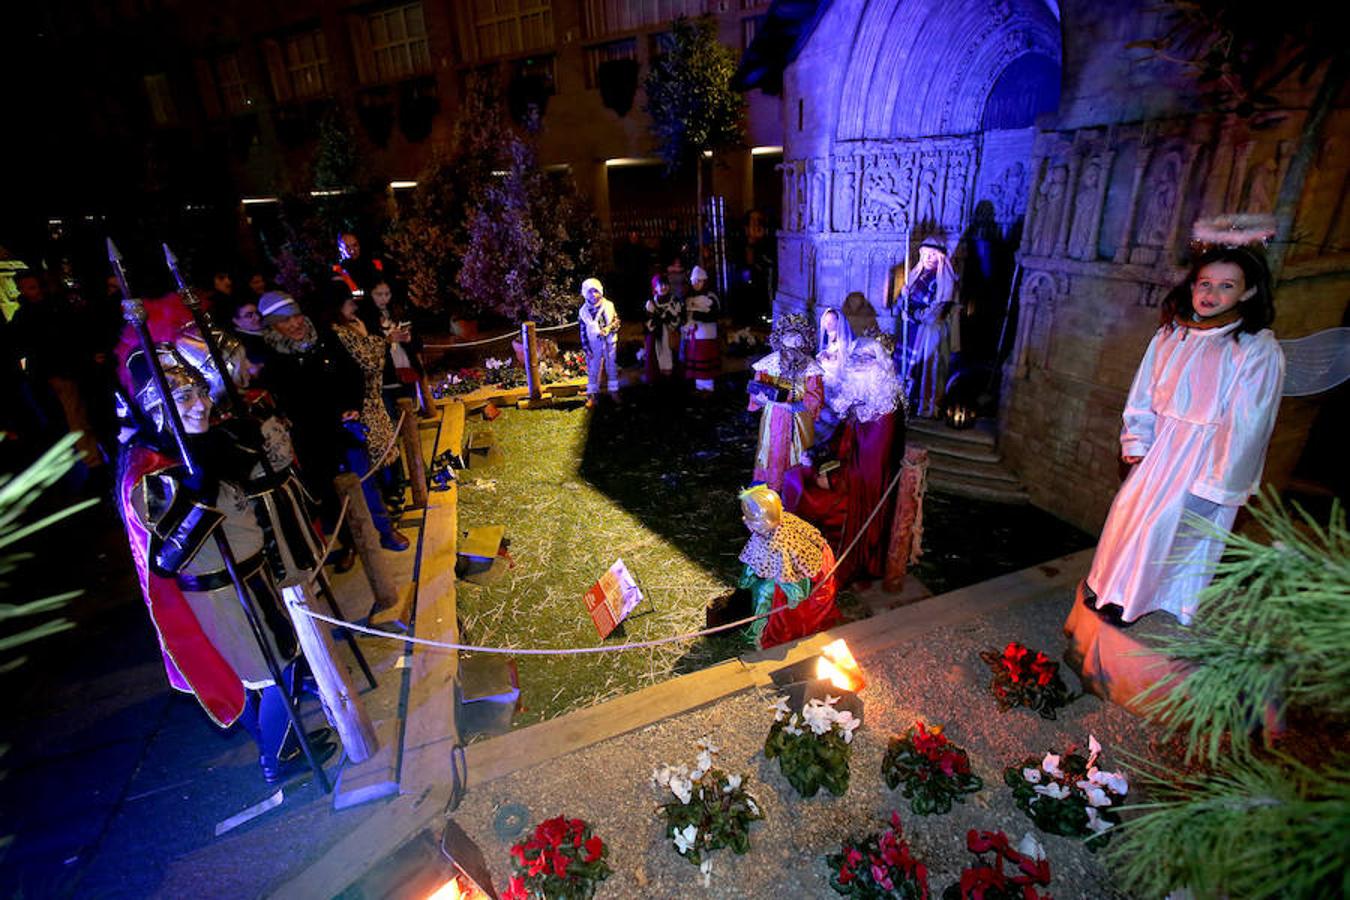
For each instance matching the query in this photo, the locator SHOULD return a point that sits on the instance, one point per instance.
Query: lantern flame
(838, 665)
(451, 890)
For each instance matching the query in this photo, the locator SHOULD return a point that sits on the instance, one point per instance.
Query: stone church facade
(906, 119)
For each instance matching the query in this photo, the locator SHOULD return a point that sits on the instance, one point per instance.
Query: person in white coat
(599, 339)
(1198, 420)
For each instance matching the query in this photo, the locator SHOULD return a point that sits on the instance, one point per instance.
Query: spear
(202, 318)
(134, 312)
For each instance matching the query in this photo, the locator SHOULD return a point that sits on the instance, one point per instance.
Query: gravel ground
(940, 679)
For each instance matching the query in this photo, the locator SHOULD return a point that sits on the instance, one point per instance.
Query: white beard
(870, 391)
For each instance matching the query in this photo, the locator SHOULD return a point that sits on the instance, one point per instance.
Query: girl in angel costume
(1198, 419)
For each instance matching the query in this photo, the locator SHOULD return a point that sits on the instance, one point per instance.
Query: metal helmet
(177, 372)
(194, 351)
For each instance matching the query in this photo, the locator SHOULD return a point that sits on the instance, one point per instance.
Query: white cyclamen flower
(818, 716)
(702, 764)
(682, 788)
(1032, 775)
(1030, 847)
(1053, 790)
(706, 868)
(706, 743)
(685, 840)
(847, 725)
(1095, 795)
(733, 782)
(661, 776)
(1051, 764)
(780, 709)
(1094, 750)
(1112, 781)
(1095, 820)
(750, 802)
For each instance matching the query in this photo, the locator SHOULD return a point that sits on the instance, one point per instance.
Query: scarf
(1222, 319)
(284, 345)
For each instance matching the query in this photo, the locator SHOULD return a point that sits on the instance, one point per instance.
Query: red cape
(191, 661)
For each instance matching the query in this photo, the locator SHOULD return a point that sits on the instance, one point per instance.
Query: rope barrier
(510, 334)
(328, 547)
(377, 464)
(612, 648)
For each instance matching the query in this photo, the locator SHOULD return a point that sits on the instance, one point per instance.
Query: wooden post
(412, 452)
(341, 701)
(367, 541)
(528, 338)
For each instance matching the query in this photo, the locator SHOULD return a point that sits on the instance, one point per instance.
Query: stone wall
(1105, 239)
(884, 145)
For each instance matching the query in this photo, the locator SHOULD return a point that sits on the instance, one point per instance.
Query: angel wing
(1316, 363)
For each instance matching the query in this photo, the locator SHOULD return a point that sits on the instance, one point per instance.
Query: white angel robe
(1200, 413)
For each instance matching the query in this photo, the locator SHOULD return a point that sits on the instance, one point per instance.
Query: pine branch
(1270, 632)
(1251, 830)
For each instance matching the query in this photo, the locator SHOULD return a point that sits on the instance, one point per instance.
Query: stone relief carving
(886, 195)
(1162, 191)
(800, 208)
(845, 194)
(1040, 292)
(954, 208)
(1151, 295)
(818, 196)
(1049, 209)
(1009, 194)
(926, 205)
(1261, 187)
(1086, 211)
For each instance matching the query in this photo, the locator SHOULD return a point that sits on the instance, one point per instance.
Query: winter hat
(274, 306)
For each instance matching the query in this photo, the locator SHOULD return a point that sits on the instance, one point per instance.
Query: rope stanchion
(612, 648)
(492, 340)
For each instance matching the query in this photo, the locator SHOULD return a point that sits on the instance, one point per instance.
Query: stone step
(942, 445)
(977, 489)
(984, 431)
(972, 471)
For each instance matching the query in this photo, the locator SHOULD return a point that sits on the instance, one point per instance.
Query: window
(306, 65)
(398, 43)
(609, 16)
(502, 27)
(612, 52)
(749, 28)
(234, 96)
(162, 110)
